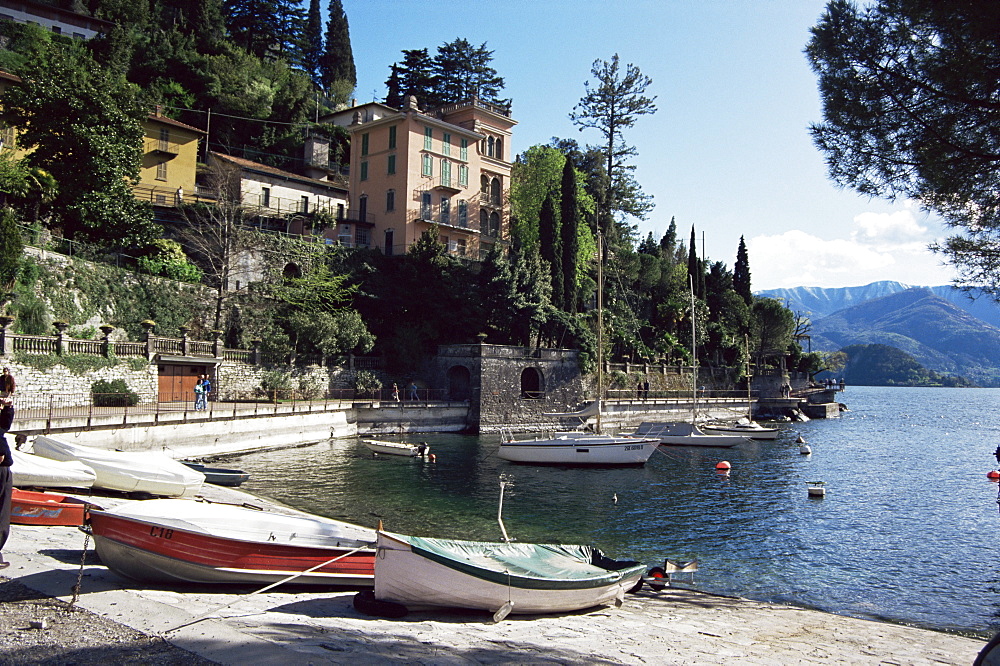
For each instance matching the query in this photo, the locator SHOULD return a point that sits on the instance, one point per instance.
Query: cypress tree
(668, 244)
(741, 273)
(569, 214)
(694, 266)
(393, 85)
(312, 42)
(338, 59)
(550, 246)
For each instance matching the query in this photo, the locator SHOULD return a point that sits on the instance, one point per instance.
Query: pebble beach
(197, 625)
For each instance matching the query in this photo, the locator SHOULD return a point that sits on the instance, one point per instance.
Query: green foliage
(11, 249)
(114, 393)
(275, 380)
(78, 364)
(32, 314)
(337, 62)
(458, 72)
(882, 365)
(167, 258)
(366, 383)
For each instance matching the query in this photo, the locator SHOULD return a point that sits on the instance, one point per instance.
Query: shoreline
(302, 625)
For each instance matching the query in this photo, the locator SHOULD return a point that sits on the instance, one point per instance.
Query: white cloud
(879, 246)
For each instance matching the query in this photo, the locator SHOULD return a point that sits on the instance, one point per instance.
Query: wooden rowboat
(184, 541)
(35, 508)
(420, 572)
(396, 448)
(219, 476)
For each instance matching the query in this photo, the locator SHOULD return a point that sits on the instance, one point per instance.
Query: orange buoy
(995, 475)
(433, 457)
(723, 464)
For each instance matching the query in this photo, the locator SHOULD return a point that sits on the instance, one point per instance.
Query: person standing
(207, 385)
(7, 384)
(199, 395)
(6, 485)
(413, 391)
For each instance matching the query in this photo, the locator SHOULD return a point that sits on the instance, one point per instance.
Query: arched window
(499, 149)
(495, 192)
(484, 222)
(532, 384)
(494, 224)
(291, 271)
(484, 184)
(459, 383)
(490, 144)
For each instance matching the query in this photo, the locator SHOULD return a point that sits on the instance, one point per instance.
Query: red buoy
(723, 464)
(433, 458)
(994, 475)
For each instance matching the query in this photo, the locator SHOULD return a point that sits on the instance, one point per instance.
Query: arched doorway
(532, 384)
(459, 383)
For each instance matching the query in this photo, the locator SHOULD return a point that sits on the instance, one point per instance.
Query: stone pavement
(305, 626)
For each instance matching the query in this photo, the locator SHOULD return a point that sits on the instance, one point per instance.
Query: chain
(79, 576)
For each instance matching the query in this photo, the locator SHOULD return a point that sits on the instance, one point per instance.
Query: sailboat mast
(600, 327)
(694, 358)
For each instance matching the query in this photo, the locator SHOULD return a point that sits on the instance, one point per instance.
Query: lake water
(907, 532)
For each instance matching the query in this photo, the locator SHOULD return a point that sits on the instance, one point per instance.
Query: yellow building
(412, 170)
(169, 161)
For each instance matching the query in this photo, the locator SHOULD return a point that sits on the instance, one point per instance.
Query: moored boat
(744, 427)
(219, 476)
(185, 541)
(126, 471)
(524, 578)
(31, 471)
(396, 448)
(682, 433)
(35, 508)
(578, 449)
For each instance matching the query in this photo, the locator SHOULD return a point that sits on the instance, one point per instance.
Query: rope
(79, 575)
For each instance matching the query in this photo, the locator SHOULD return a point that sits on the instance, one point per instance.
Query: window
(392, 137)
(304, 204)
(265, 196)
(445, 173)
(446, 144)
(463, 152)
(490, 146)
(391, 165)
(460, 247)
(428, 138)
(161, 170)
(484, 184)
(445, 210)
(463, 213)
(484, 222)
(361, 237)
(425, 206)
(390, 201)
(463, 175)
(499, 149)
(364, 143)
(344, 235)
(494, 224)
(364, 171)
(495, 192)
(363, 208)
(164, 138)
(426, 165)
(340, 211)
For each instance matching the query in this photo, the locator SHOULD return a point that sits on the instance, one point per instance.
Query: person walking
(199, 395)
(7, 384)
(207, 385)
(413, 391)
(6, 485)
(395, 392)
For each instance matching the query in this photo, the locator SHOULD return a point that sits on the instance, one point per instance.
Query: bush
(115, 393)
(366, 383)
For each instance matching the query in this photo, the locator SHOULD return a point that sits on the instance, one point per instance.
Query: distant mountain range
(935, 325)
(819, 302)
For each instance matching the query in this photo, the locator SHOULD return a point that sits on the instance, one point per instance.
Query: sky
(728, 151)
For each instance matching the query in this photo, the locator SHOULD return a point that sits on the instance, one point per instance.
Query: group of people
(642, 390)
(202, 390)
(412, 389)
(7, 388)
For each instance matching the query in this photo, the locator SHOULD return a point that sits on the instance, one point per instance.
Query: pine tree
(209, 26)
(267, 28)
(550, 246)
(741, 273)
(569, 214)
(463, 72)
(668, 244)
(338, 59)
(312, 42)
(416, 77)
(393, 85)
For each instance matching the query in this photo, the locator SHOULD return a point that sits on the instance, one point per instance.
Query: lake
(907, 531)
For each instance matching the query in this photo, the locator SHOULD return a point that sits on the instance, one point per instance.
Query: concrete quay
(306, 626)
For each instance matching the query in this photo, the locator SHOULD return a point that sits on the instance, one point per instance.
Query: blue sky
(728, 150)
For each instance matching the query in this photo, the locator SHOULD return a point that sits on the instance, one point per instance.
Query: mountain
(937, 333)
(818, 302)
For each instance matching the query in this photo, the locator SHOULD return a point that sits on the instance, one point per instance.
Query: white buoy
(817, 489)
(803, 447)
(615, 498)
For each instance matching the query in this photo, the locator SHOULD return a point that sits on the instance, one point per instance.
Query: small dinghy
(141, 471)
(219, 476)
(186, 541)
(501, 578)
(396, 448)
(34, 508)
(31, 471)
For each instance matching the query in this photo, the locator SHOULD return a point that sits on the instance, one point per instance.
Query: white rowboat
(396, 448)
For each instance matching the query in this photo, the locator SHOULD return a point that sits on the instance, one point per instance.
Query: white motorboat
(126, 471)
(31, 471)
(682, 433)
(396, 448)
(579, 448)
(420, 572)
(743, 427)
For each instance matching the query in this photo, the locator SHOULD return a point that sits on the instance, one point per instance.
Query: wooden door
(176, 382)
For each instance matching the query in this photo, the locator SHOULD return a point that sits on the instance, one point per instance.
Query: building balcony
(162, 148)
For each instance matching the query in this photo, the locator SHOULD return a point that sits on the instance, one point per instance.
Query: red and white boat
(184, 541)
(35, 508)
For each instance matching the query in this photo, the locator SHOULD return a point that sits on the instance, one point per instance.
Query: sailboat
(579, 447)
(683, 433)
(745, 426)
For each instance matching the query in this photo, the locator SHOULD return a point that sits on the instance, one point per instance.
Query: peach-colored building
(411, 170)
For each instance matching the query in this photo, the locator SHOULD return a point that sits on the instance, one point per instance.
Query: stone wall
(34, 386)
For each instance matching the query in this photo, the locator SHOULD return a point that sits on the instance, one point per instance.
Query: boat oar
(265, 589)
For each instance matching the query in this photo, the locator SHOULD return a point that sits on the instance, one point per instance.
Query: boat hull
(31, 471)
(179, 551)
(33, 508)
(686, 434)
(395, 448)
(217, 476)
(146, 472)
(579, 450)
(739, 430)
(406, 577)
